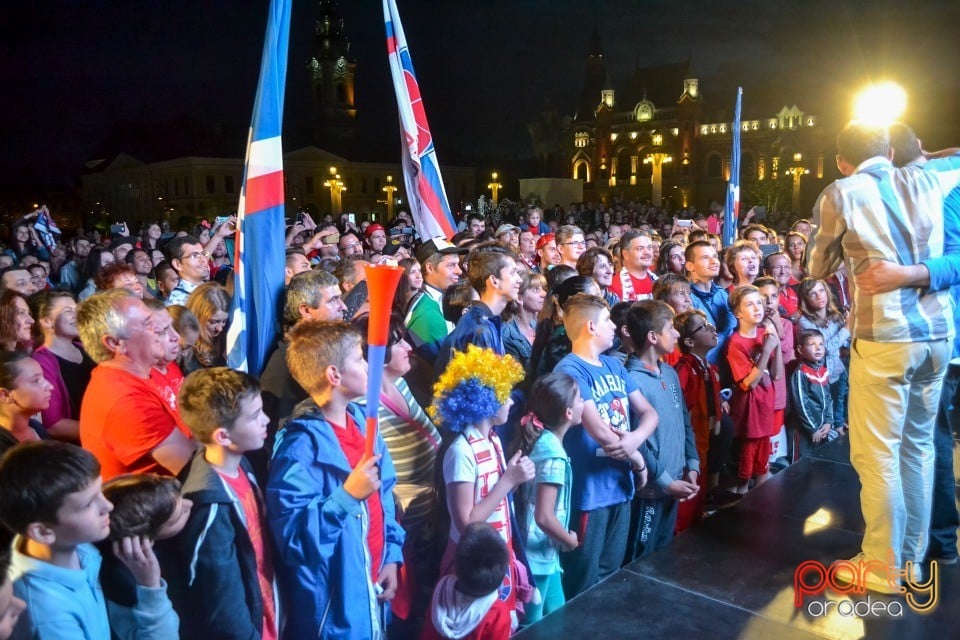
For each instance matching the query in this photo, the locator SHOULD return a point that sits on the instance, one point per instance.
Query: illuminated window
(723, 128)
(773, 123)
(704, 130)
(675, 131)
(581, 139)
(713, 128)
(820, 166)
(657, 139)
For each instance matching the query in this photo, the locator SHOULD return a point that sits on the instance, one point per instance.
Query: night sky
(83, 80)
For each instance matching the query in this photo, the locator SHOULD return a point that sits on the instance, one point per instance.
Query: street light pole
(336, 187)
(797, 171)
(390, 189)
(494, 186)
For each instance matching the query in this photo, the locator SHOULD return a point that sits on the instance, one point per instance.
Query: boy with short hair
(811, 405)
(465, 605)
(493, 274)
(603, 449)
(755, 362)
(332, 508)
(773, 322)
(700, 383)
(670, 452)
(50, 496)
(221, 574)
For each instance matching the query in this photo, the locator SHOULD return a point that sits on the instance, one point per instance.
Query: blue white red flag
(260, 251)
(731, 214)
(421, 170)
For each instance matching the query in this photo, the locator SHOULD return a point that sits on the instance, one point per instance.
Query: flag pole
(731, 213)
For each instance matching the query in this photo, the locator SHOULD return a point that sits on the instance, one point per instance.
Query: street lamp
(797, 171)
(494, 186)
(389, 189)
(337, 187)
(657, 159)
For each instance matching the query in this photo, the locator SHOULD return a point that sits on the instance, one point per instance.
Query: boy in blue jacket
(331, 510)
(220, 569)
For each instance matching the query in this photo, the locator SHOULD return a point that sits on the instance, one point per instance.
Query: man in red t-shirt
(124, 421)
(635, 280)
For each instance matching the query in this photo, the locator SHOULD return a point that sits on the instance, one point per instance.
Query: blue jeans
(944, 518)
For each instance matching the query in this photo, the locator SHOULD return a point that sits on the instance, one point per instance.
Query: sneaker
(869, 579)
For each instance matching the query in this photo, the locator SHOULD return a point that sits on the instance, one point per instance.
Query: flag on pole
(421, 170)
(731, 214)
(260, 253)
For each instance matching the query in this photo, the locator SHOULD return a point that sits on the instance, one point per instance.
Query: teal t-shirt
(553, 467)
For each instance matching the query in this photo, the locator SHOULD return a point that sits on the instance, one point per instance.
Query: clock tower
(332, 79)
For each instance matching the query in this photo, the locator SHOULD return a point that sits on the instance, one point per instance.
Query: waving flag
(260, 251)
(421, 171)
(731, 215)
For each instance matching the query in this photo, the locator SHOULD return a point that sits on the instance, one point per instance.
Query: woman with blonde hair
(210, 302)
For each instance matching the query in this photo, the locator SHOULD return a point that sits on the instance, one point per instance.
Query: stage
(732, 576)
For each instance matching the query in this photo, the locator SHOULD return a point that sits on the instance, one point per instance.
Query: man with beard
(635, 280)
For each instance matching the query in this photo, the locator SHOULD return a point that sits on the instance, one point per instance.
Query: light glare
(880, 104)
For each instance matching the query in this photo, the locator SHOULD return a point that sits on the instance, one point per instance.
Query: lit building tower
(687, 145)
(332, 80)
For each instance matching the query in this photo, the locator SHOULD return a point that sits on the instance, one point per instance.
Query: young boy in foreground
(603, 450)
(50, 496)
(332, 508)
(222, 578)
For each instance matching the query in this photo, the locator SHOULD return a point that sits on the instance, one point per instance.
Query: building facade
(653, 139)
(193, 188)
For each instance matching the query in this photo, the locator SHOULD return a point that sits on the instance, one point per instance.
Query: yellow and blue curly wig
(475, 384)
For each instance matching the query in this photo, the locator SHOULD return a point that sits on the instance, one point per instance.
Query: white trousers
(894, 394)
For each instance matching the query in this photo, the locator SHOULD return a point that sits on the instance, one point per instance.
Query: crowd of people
(562, 394)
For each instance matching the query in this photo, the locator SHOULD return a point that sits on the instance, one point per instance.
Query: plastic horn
(382, 283)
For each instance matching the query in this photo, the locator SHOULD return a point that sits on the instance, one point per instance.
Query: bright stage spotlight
(880, 104)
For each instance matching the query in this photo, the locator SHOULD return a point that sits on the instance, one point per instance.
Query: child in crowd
(554, 405)
(811, 407)
(11, 607)
(466, 605)
(188, 328)
(221, 571)
(473, 396)
(773, 322)
(675, 291)
(51, 498)
(24, 393)
(621, 342)
(700, 384)
(146, 509)
(603, 450)
(818, 311)
(332, 508)
(670, 452)
(755, 362)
